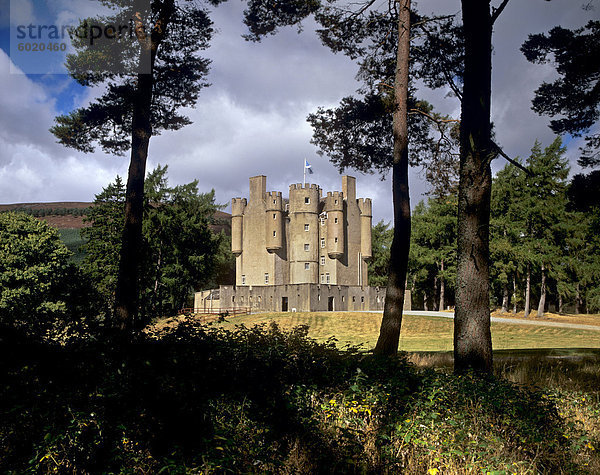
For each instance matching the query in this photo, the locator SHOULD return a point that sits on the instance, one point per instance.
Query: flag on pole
(307, 166)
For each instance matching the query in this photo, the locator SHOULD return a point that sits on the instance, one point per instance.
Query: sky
(252, 119)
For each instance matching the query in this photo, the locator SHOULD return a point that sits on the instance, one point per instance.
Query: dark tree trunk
(577, 299)
(505, 298)
(442, 288)
(389, 333)
(425, 306)
(127, 290)
(472, 335)
(542, 302)
(514, 295)
(561, 304)
(528, 292)
(435, 294)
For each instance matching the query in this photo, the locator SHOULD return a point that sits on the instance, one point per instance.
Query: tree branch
(497, 11)
(500, 152)
(437, 121)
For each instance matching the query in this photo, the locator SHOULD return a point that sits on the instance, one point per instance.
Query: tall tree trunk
(389, 333)
(505, 298)
(560, 304)
(472, 334)
(127, 290)
(435, 294)
(528, 291)
(542, 303)
(425, 306)
(442, 288)
(514, 295)
(577, 299)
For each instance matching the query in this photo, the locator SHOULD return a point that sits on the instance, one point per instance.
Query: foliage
(574, 95)
(381, 242)
(178, 74)
(180, 252)
(40, 292)
(197, 398)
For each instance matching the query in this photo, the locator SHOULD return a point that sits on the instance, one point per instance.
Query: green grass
(420, 333)
(73, 240)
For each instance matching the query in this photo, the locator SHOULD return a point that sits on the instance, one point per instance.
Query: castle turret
(238, 206)
(303, 232)
(274, 221)
(334, 206)
(366, 217)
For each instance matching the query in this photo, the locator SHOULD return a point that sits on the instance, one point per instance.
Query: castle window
(306, 247)
(306, 227)
(322, 278)
(306, 266)
(232, 298)
(307, 200)
(335, 220)
(343, 298)
(327, 277)
(266, 279)
(243, 280)
(353, 298)
(362, 299)
(335, 239)
(322, 260)
(336, 201)
(274, 233)
(322, 242)
(274, 202)
(242, 298)
(274, 215)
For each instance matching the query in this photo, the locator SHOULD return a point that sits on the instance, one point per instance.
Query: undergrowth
(196, 398)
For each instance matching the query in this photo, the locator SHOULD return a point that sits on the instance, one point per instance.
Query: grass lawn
(419, 333)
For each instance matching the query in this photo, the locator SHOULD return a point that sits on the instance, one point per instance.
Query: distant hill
(70, 214)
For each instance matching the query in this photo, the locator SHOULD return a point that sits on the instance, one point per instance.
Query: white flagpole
(304, 166)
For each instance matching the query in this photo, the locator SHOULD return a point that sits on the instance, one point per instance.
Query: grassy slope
(420, 333)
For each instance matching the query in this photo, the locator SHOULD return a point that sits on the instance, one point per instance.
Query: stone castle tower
(306, 239)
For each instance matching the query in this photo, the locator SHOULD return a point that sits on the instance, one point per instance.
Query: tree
(472, 334)
(179, 251)
(139, 101)
(574, 95)
(381, 242)
(33, 272)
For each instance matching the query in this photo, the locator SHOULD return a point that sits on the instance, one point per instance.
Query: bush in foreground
(195, 398)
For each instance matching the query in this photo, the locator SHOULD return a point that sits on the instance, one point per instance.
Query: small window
(259, 298)
(232, 298)
(353, 298)
(322, 221)
(322, 242)
(335, 220)
(274, 215)
(307, 247)
(322, 278)
(378, 299)
(266, 279)
(274, 202)
(327, 277)
(306, 227)
(343, 298)
(274, 233)
(322, 260)
(336, 201)
(242, 298)
(243, 280)
(306, 266)
(319, 297)
(307, 200)
(362, 299)
(335, 240)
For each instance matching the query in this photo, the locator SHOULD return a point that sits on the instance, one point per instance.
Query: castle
(305, 253)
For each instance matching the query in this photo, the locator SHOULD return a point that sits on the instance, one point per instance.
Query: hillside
(70, 214)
